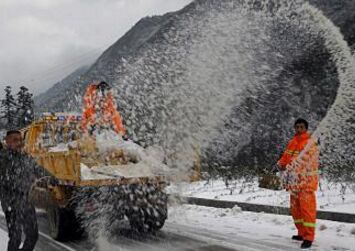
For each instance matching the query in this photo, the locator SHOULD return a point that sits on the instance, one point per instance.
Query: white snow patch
(59, 148)
(261, 226)
(150, 160)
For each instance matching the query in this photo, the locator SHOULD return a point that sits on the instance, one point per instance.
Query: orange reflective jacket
(301, 162)
(107, 107)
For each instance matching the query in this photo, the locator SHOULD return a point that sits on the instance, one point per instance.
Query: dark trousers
(18, 219)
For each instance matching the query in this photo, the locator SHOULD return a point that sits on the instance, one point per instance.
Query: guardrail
(323, 215)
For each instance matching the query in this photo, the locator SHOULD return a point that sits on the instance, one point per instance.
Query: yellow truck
(90, 182)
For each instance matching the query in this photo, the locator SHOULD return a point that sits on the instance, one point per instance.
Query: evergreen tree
(9, 108)
(24, 112)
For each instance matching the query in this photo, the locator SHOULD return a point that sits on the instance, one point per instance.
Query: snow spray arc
(230, 77)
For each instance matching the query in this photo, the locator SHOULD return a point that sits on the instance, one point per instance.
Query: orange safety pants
(304, 213)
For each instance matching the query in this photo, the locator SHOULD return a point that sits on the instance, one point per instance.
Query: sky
(42, 41)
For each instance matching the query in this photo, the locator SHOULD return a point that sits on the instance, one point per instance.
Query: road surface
(173, 237)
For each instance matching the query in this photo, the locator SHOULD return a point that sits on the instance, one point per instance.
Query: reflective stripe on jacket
(301, 162)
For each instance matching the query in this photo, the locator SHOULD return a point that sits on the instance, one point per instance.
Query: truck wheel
(155, 218)
(56, 223)
(146, 207)
(63, 224)
(139, 227)
(137, 222)
(150, 218)
(155, 224)
(145, 222)
(157, 213)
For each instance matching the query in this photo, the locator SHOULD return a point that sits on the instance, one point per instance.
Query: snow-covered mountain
(53, 99)
(65, 91)
(229, 78)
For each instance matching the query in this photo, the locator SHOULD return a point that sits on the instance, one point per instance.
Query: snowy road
(173, 237)
(192, 228)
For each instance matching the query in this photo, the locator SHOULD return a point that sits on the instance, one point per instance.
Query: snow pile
(62, 147)
(86, 173)
(143, 162)
(109, 140)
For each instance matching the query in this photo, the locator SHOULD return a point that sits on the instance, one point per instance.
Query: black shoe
(297, 238)
(306, 244)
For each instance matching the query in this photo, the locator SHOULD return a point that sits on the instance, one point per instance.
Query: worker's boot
(297, 238)
(306, 244)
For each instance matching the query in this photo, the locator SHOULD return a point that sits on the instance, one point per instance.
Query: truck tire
(150, 217)
(63, 224)
(156, 219)
(145, 221)
(137, 222)
(56, 223)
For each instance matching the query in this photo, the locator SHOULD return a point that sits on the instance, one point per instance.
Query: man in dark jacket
(18, 171)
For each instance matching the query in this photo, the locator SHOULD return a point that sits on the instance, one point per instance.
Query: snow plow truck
(99, 171)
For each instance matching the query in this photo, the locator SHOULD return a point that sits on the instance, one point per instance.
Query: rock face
(226, 77)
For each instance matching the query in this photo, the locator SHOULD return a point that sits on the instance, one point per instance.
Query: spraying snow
(228, 79)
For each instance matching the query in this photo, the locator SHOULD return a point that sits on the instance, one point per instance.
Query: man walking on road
(300, 161)
(18, 172)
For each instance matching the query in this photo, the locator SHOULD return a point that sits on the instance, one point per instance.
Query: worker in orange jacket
(100, 109)
(300, 161)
